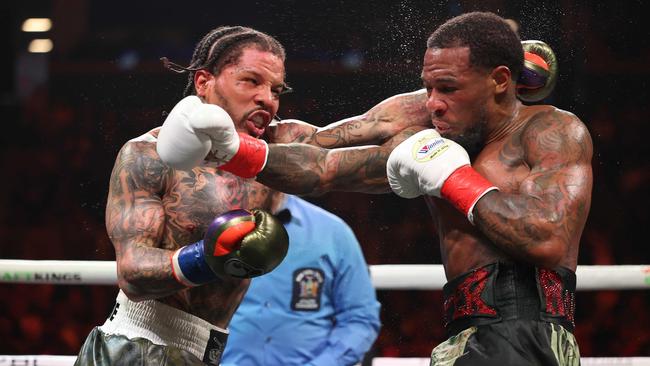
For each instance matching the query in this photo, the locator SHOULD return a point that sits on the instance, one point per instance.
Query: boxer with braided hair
(209, 52)
(188, 242)
(509, 184)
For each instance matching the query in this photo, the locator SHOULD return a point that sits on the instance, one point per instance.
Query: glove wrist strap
(189, 266)
(250, 159)
(464, 187)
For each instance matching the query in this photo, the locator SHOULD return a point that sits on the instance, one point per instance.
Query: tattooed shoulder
(139, 166)
(557, 137)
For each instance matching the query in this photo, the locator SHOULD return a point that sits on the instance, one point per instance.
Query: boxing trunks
(152, 333)
(509, 314)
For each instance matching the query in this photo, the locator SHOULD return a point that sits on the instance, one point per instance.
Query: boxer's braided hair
(222, 46)
(491, 41)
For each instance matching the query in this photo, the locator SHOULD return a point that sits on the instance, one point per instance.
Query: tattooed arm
(376, 126)
(543, 222)
(135, 221)
(305, 169)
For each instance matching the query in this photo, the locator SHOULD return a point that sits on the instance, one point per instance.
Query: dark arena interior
(67, 110)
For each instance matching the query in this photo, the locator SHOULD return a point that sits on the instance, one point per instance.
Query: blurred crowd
(62, 137)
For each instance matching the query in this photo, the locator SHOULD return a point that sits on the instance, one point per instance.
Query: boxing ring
(384, 277)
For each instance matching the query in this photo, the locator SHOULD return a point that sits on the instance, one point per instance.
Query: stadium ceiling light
(40, 45)
(37, 25)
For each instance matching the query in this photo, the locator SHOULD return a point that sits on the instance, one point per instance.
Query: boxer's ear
(502, 78)
(202, 79)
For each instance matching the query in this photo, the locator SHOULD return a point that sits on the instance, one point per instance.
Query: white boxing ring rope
(384, 277)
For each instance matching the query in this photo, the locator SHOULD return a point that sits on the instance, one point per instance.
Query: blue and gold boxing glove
(239, 243)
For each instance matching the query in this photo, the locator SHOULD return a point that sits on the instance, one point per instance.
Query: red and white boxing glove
(195, 131)
(428, 164)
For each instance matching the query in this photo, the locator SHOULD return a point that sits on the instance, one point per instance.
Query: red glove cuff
(464, 187)
(250, 159)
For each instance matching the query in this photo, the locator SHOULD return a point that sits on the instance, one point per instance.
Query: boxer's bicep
(558, 149)
(135, 216)
(546, 215)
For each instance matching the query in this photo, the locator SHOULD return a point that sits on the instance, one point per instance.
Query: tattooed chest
(194, 199)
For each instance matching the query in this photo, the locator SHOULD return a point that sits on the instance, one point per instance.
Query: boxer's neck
(506, 121)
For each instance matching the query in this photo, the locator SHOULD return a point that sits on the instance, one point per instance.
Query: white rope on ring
(584, 361)
(384, 276)
(390, 276)
(47, 360)
(36, 360)
(432, 277)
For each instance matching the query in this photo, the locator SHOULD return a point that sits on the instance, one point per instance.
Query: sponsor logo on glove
(429, 147)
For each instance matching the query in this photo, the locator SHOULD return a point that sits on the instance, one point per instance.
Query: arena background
(66, 113)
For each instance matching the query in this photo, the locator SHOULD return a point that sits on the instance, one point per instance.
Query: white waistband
(159, 323)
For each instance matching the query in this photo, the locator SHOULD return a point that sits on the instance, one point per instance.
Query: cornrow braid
(220, 47)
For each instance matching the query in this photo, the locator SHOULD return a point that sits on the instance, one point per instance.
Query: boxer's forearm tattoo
(135, 221)
(379, 124)
(376, 126)
(304, 169)
(349, 132)
(552, 203)
(287, 132)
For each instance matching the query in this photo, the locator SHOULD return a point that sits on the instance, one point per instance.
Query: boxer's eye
(276, 92)
(447, 89)
(252, 81)
(284, 89)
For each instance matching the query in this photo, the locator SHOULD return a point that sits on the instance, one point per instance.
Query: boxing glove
(195, 131)
(239, 243)
(539, 74)
(428, 164)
